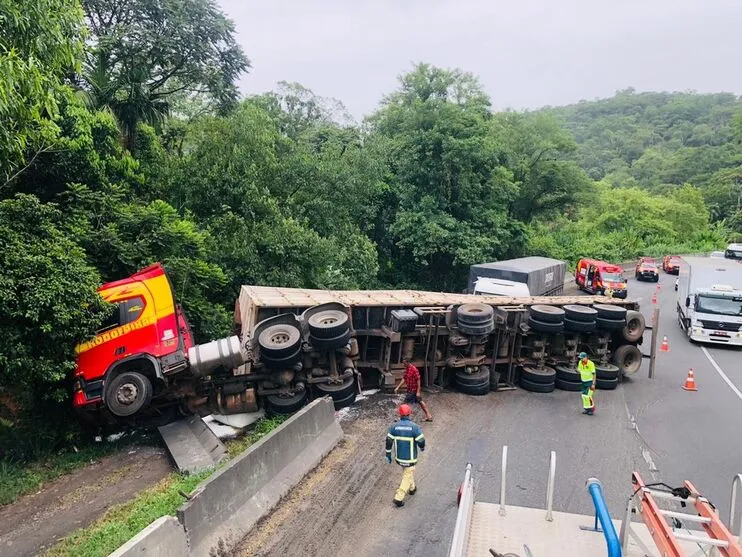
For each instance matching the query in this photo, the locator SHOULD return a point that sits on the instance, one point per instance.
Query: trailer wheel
(579, 326)
(563, 385)
(607, 371)
(544, 327)
(284, 362)
(628, 359)
(536, 375)
(476, 330)
(580, 313)
(547, 314)
(606, 324)
(287, 404)
(607, 311)
(476, 390)
(328, 324)
(473, 379)
(279, 341)
(474, 314)
(330, 343)
(635, 325)
(345, 402)
(536, 387)
(569, 374)
(128, 393)
(337, 391)
(606, 384)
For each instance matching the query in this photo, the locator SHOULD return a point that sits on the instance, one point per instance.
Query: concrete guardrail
(225, 507)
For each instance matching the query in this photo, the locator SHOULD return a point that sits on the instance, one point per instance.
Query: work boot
(586, 411)
(412, 490)
(398, 503)
(590, 412)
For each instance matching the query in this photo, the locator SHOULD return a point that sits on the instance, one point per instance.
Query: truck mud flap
(192, 445)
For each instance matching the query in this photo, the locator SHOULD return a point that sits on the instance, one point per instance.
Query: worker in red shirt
(411, 380)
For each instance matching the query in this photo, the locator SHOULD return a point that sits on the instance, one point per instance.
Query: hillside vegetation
(133, 145)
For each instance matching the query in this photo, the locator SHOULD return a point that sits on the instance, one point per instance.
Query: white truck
(522, 277)
(710, 300)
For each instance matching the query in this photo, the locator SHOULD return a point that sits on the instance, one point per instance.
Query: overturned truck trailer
(330, 342)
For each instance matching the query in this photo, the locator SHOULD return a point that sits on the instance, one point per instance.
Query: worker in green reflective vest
(587, 375)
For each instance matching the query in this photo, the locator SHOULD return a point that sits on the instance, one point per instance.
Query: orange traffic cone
(654, 298)
(664, 347)
(690, 381)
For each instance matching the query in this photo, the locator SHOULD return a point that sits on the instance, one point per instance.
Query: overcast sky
(527, 53)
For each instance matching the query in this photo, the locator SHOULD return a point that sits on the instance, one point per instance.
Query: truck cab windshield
(719, 306)
(612, 277)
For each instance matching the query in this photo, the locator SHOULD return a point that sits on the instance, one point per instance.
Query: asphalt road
(650, 426)
(689, 435)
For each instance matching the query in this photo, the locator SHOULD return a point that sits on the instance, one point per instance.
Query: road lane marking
(721, 373)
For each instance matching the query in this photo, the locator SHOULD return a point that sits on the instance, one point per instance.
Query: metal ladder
(720, 539)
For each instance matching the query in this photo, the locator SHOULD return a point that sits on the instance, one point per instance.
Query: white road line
(721, 373)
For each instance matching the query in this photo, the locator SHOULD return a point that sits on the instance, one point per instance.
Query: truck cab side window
(131, 310)
(113, 320)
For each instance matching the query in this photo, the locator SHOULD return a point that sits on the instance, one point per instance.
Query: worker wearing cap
(405, 437)
(587, 375)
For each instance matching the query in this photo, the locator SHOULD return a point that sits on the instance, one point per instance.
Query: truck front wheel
(128, 393)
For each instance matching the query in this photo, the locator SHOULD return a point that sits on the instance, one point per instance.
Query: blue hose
(601, 514)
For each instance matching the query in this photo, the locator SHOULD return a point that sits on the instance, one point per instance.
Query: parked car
(646, 269)
(671, 264)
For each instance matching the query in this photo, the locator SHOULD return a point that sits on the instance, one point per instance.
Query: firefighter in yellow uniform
(405, 438)
(587, 375)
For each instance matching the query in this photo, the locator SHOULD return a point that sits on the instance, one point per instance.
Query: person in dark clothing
(403, 440)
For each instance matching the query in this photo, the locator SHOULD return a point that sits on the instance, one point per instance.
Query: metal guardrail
(736, 482)
(463, 516)
(601, 514)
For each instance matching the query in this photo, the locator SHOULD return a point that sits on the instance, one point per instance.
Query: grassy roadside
(121, 522)
(19, 478)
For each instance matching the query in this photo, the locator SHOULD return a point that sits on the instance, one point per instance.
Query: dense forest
(124, 141)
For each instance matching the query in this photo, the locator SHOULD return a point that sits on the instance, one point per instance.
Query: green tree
(40, 43)
(143, 52)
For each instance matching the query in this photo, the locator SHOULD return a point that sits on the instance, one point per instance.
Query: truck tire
(579, 326)
(476, 330)
(607, 371)
(606, 324)
(628, 359)
(606, 384)
(580, 313)
(474, 314)
(284, 362)
(563, 385)
(635, 325)
(476, 390)
(338, 391)
(328, 324)
(279, 341)
(536, 375)
(330, 343)
(287, 404)
(344, 402)
(545, 327)
(472, 379)
(127, 393)
(547, 314)
(607, 311)
(569, 374)
(537, 387)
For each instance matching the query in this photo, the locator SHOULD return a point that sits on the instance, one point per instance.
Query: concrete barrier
(227, 505)
(165, 537)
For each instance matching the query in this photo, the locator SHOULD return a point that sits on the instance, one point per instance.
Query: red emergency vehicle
(599, 277)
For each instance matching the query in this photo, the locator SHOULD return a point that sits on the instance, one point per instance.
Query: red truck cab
(599, 277)
(671, 264)
(120, 369)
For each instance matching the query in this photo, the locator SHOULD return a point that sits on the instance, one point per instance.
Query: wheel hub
(127, 393)
(280, 338)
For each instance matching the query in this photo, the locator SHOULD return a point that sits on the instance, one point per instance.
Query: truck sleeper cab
(598, 277)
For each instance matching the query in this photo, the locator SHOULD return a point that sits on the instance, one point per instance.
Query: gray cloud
(527, 53)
